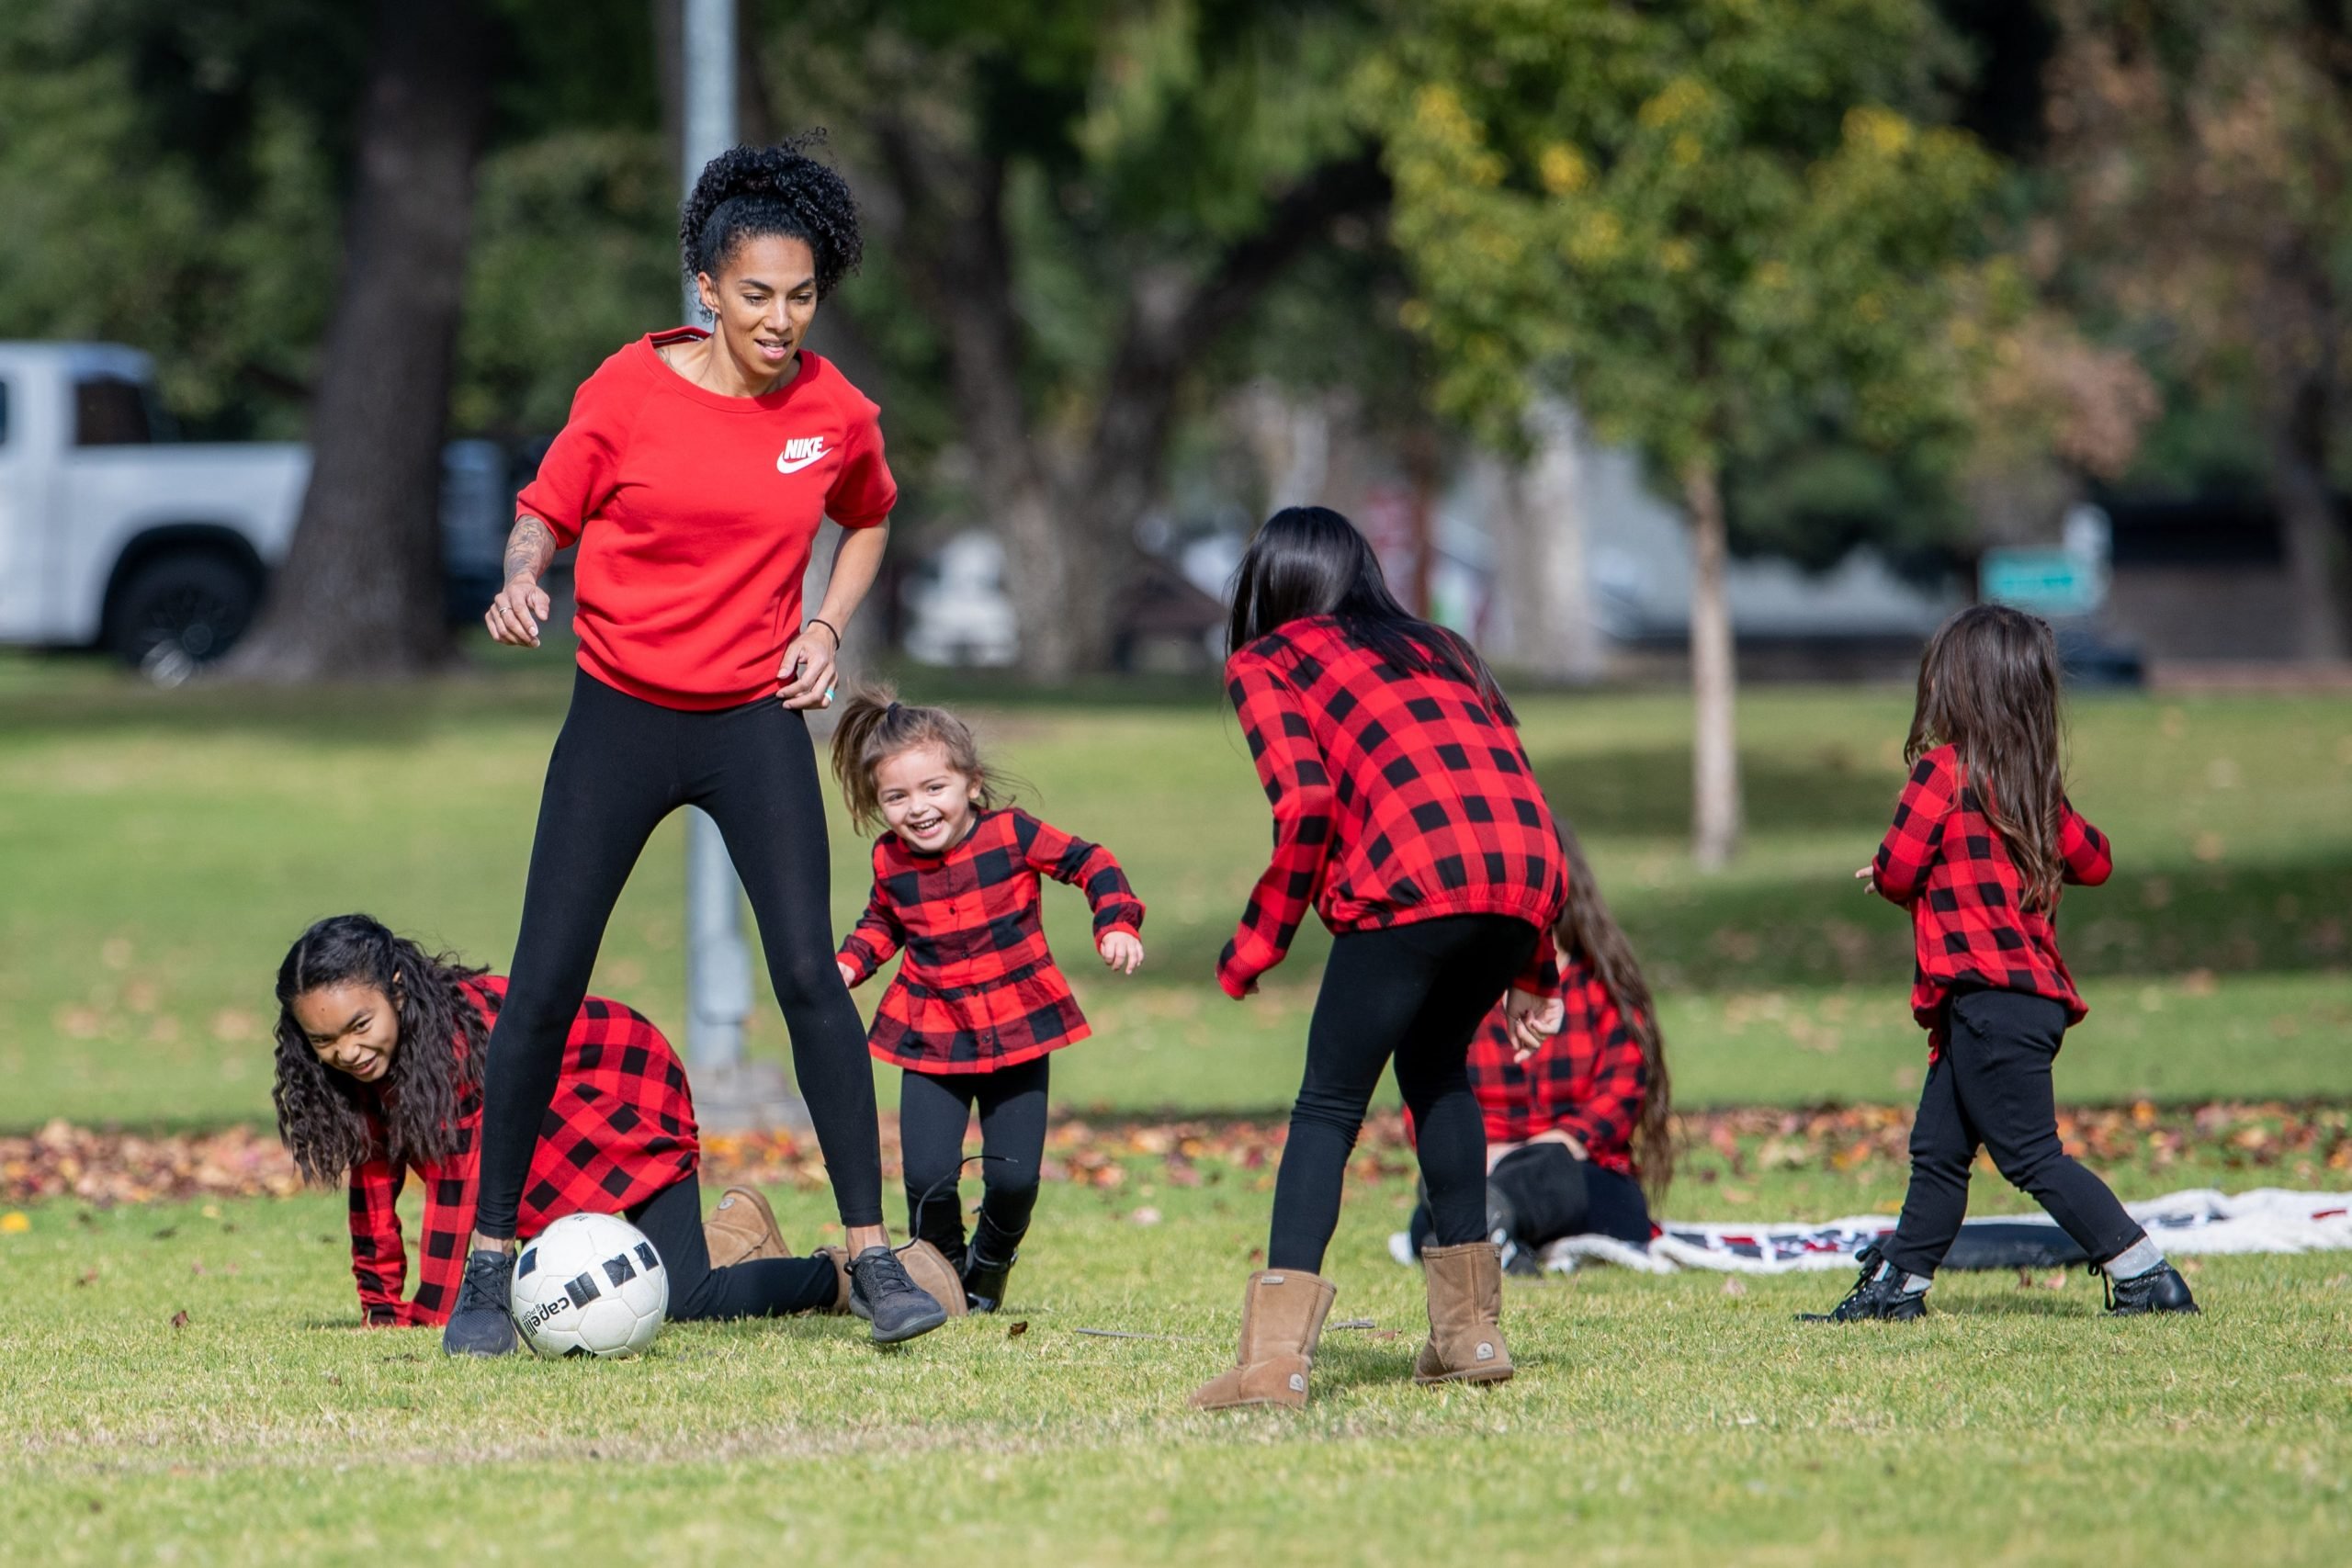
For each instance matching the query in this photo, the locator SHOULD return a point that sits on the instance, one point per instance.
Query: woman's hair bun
(751, 192)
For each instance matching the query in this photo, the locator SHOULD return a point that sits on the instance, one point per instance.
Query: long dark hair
(1587, 930)
(321, 1113)
(1310, 560)
(1990, 688)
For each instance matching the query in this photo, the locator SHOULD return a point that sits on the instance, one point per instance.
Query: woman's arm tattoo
(530, 548)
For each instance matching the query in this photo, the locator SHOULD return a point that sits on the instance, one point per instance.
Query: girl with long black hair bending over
(692, 476)
(379, 1054)
(1407, 815)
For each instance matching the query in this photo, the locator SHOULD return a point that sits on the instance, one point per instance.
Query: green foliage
(1695, 217)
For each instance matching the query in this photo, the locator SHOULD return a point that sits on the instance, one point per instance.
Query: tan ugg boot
(1282, 1324)
(1465, 1342)
(743, 1228)
(928, 1267)
(839, 1257)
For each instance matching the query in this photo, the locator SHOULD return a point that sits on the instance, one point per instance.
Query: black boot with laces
(2161, 1289)
(1877, 1294)
(881, 1293)
(484, 1324)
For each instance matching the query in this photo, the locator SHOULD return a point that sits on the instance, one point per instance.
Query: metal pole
(729, 1091)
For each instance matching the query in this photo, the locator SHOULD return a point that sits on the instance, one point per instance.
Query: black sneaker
(484, 1324)
(880, 1292)
(1877, 1294)
(1519, 1261)
(2161, 1289)
(984, 1281)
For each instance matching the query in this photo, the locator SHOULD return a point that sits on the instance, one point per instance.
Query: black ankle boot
(1877, 1294)
(1502, 1229)
(2161, 1289)
(988, 1263)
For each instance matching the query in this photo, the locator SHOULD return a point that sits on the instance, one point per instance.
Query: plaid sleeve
(875, 939)
(1912, 845)
(2089, 858)
(1091, 868)
(1607, 1102)
(378, 1261)
(1290, 765)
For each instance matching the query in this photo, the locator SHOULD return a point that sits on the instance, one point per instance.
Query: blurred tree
(1077, 202)
(1699, 220)
(2206, 155)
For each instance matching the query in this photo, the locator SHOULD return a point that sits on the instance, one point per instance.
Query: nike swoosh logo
(791, 466)
(799, 454)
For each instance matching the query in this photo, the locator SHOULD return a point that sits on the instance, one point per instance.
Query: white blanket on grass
(2269, 1219)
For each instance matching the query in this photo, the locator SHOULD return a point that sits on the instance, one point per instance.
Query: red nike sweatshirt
(695, 513)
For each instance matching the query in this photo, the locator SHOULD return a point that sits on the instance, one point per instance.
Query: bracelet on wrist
(821, 621)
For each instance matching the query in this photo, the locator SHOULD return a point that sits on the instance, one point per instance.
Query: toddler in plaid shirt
(1984, 842)
(978, 1004)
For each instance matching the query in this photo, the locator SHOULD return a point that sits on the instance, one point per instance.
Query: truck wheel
(180, 611)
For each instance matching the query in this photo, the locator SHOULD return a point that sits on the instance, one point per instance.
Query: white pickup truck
(114, 533)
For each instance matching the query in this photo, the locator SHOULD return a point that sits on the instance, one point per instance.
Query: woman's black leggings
(1417, 993)
(934, 1110)
(765, 1287)
(620, 766)
(1991, 1087)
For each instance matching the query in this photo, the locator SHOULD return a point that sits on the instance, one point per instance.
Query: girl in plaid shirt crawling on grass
(1984, 842)
(978, 1005)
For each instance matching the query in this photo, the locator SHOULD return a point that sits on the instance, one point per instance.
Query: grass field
(161, 850)
(1654, 1421)
(158, 851)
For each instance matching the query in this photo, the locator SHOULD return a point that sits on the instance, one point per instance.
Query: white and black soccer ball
(590, 1285)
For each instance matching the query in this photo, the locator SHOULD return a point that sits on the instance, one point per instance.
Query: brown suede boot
(839, 1257)
(1465, 1343)
(928, 1267)
(742, 1228)
(1282, 1324)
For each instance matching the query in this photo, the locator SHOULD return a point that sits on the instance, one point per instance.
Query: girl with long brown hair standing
(1984, 842)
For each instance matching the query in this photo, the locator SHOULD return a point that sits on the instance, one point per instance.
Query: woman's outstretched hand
(515, 615)
(1868, 877)
(808, 669)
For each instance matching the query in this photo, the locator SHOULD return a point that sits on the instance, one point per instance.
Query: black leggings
(1540, 1192)
(934, 1109)
(1991, 1087)
(620, 766)
(1417, 993)
(765, 1287)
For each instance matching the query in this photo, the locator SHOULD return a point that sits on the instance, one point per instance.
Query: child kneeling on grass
(1983, 842)
(977, 1005)
(1575, 1095)
(380, 1055)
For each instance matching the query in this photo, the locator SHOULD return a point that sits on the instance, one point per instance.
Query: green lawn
(158, 852)
(1667, 1421)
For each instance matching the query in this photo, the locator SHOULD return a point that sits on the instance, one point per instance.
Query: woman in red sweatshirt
(692, 476)
(1405, 814)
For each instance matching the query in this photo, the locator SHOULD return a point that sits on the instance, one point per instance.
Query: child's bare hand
(849, 975)
(1122, 951)
(1868, 877)
(1533, 1020)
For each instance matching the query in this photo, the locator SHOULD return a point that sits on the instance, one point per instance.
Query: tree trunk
(1548, 588)
(360, 591)
(2309, 525)
(1715, 811)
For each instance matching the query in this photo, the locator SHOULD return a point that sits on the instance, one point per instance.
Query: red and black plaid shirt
(621, 1129)
(1587, 1081)
(1945, 862)
(978, 988)
(1397, 797)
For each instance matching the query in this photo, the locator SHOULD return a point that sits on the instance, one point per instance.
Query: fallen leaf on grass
(1017, 1329)
(1734, 1286)
(89, 1277)
(179, 1319)
(15, 1223)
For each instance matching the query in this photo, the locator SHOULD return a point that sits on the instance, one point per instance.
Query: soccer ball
(590, 1285)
